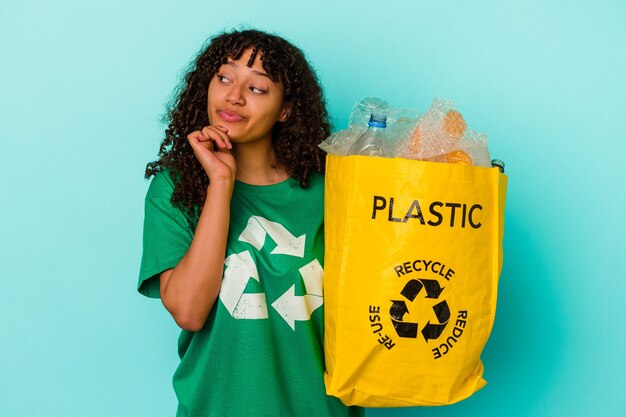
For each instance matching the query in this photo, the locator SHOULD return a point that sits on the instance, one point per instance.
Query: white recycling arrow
(286, 243)
(240, 268)
(292, 307)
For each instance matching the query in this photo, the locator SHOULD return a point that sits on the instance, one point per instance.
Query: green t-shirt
(260, 352)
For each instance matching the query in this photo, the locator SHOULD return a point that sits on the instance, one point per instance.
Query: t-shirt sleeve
(167, 234)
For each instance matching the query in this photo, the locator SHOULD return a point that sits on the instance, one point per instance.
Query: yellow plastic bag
(413, 256)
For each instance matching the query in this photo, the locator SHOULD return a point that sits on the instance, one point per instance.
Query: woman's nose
(235, 95)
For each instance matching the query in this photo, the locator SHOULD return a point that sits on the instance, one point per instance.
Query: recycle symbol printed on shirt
(432, 290)
(240, 268)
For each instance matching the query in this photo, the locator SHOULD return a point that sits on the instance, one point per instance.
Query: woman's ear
(284, 115)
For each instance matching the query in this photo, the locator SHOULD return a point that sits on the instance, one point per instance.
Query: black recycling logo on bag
(422, 297)
(427, 290)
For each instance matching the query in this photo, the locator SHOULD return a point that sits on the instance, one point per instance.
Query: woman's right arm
(189, 290)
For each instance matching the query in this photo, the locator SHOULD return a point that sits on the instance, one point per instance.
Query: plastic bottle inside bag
(498, 163)
(373, 142)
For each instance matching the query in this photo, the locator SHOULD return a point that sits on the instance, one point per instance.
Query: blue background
(84, 85)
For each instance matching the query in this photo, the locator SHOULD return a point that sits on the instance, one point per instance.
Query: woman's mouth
(230, 116)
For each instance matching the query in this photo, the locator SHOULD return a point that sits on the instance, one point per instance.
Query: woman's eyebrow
(234, 65)
(260, 73)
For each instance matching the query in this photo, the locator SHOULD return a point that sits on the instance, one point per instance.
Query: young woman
(233, 232)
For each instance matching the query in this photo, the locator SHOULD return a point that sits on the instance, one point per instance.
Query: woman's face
(244, 100)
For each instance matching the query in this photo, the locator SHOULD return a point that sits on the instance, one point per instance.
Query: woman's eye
(222, 79)
(257, 90)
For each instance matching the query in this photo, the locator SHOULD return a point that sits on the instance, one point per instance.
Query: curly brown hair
(295, 140)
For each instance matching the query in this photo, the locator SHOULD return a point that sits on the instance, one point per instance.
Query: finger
(229, 144)
(223, 139)
(208, 140)
(197, 141)
(194, 140)
(213, 132)
(224, 145)
(218, 135)
(196, 136)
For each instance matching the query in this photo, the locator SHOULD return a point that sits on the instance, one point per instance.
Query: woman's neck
(256, 164)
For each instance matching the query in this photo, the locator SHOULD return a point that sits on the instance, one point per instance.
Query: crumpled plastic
(439, 135)
(442, 135)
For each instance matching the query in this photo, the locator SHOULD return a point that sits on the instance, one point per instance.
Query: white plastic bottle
(373, 142)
